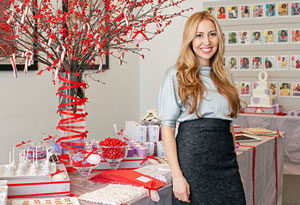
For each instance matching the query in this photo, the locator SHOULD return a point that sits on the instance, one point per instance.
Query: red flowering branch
(77, 36)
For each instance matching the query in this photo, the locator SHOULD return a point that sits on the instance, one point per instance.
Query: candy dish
(113, 150)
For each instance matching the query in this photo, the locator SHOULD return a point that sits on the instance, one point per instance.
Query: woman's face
(284, 86)
(283, 34)
(267, 64)
(271, 7)
(205, 43)
(221, 10)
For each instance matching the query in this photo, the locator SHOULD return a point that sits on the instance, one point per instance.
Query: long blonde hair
(191, 87)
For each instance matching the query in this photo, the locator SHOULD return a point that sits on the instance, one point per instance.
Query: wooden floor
(291, 190)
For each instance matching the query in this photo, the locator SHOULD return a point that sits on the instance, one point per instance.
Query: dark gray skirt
(208, 162)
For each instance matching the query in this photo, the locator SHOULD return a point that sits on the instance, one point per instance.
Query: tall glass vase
(71, 111)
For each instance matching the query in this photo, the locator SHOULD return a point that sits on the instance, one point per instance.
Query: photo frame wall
(268, 34)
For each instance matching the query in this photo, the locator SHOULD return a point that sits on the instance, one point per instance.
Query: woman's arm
(181, 187)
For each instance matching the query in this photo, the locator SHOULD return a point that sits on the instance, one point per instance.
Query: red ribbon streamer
(140, 32)
(146, 158)
(66, 124)
(253, 171)
(22, 143)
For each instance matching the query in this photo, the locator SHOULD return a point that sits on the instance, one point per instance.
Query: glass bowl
(113, 154)
(84, 160)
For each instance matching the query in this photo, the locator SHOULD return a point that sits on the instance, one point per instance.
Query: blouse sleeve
(168, 100)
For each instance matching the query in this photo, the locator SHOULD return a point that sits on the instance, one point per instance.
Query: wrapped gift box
(38, 186)
(260, 110)
(127, 163)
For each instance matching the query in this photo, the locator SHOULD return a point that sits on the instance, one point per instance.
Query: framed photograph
(283, 62)
(225, 37)
(245, 88)
(269, 36)
(221, 12)
(283, 9)
(270, 63)
(232, 62)
(244, 63)
(236, 85)
(295, 62)
(233, 12)
(295, 35)
(284, 89)
(270, 10)
(6, 48)
(245, 11)
(283, 36)
(211, 10)
(256, 37)
(244, 37)
(258, 10)
(273, 87)
(296, 89)
(295, 8)
(257, 63)
(98, 59)
(232, 38)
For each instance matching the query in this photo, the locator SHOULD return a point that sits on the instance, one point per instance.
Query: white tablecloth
(290, 125)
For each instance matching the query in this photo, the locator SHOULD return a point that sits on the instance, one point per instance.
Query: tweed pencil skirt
(208, 162)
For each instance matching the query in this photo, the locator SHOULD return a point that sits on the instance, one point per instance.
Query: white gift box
(260, 110)
(20, 187)
(153, 133)
(160, 151)
(150, 146)
(127, 163)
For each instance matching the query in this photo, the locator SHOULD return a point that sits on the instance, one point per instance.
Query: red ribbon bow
(259, 108)
(18, 145)
(89, 154)
(57, 172)
(146, 158)
(48, 138)
(140, 32)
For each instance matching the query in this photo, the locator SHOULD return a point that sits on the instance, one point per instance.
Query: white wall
(163, 54)
(28, 104)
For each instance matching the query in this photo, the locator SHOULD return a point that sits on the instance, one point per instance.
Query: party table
(290, 125)
(260, 164)
(263, 172)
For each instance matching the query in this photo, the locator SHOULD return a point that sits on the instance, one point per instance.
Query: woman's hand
(181, 189)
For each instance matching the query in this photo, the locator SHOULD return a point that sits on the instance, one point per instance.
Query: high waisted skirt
(208, 162)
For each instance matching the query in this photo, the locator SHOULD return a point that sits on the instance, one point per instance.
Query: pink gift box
(260, 110)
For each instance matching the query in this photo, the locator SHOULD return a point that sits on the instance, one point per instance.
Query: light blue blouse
(170, 106)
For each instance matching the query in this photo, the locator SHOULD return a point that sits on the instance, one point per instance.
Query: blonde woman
(197, 94)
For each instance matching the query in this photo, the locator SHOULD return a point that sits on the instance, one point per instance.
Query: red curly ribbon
(48, 138)
(148, 157)
(66, 124)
